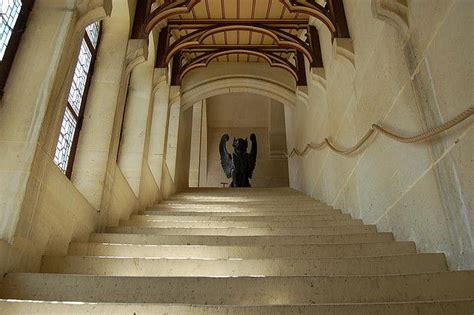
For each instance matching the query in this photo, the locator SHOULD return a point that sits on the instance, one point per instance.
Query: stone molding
(137, 53)
(302, 95)
(394, 12)
(242, 83)
(160, 75)
(91, 11)
(318, 77)
(175, 95)
(343, 49)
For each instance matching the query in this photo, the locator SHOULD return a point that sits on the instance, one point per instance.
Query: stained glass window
(93, 32)
(66, 137)
(70, 126)
(9, 10)
(79, 80)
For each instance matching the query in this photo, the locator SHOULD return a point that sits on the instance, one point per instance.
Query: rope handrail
(375, 128)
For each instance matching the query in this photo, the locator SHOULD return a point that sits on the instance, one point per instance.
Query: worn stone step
(238, 267)
(233, 218)
(407, 308)
(238, 208)
(244, 191)
(243, 198)
(249, 251)
(249, 203)
(324, 230)
(243, 213)
(236, 197)
(239, 290)
(211, 240)
(238, 224)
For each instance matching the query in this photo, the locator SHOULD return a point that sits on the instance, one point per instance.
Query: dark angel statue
(240, 165)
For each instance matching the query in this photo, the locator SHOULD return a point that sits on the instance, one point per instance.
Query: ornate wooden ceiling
(197, 32)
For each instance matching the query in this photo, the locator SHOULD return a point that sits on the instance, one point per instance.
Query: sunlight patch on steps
(48, 302)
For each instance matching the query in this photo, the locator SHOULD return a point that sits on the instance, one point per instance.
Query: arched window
(72, 120)
(13, 16)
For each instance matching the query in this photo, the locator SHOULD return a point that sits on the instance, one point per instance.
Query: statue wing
(253, 154)
(226, 158)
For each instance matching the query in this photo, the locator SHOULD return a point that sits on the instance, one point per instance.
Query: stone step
(324, 230)
(242, 213)
(407, 308)
(249, 251)
(249, 203)
(238, 224)
(211, 240)
(237, 208)
(238, 267)
(242, 198)
(239, 290)
(233, 218)
(218, 191)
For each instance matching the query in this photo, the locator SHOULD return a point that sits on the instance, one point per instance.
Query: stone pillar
(203, 164)
(104, 102)
(137, 53)
(169, 166)
(195, 156)
(159, 124)
(183, 151)
(173, 130)
(134, 129)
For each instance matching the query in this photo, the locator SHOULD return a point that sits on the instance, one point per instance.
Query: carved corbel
(160, 76)
(343, 49)
(394, 12)
(91, 11)
(175, 95)
(137, 53)
(302, 95)
(318, 77)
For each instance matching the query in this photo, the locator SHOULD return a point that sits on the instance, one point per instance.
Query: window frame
(80, 117)
(12, 46)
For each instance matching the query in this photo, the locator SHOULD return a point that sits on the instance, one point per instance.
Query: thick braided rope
(424, 136)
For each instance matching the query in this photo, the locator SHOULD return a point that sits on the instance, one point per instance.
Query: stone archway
(258, 79)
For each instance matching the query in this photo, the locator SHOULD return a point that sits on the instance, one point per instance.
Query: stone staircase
(241, 251)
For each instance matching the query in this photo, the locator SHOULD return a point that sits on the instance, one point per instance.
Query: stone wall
(409, 78)
(42, 210)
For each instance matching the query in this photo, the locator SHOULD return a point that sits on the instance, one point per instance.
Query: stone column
(159, 124)
(183, 150)
(134, 127)
(173, 129)
(195, 156)
(104, 102)
(203, 164)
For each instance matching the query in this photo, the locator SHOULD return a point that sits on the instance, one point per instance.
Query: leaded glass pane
(66, 136)
(9, 10)
(80, 78)
(93, 31)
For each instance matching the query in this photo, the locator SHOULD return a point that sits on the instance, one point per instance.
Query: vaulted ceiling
(194, 33)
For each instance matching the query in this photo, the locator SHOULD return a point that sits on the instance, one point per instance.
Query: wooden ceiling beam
(170, 9)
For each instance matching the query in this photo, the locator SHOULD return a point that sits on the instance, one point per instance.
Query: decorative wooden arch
(282, 39)
(184, 30)
(273, 60)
